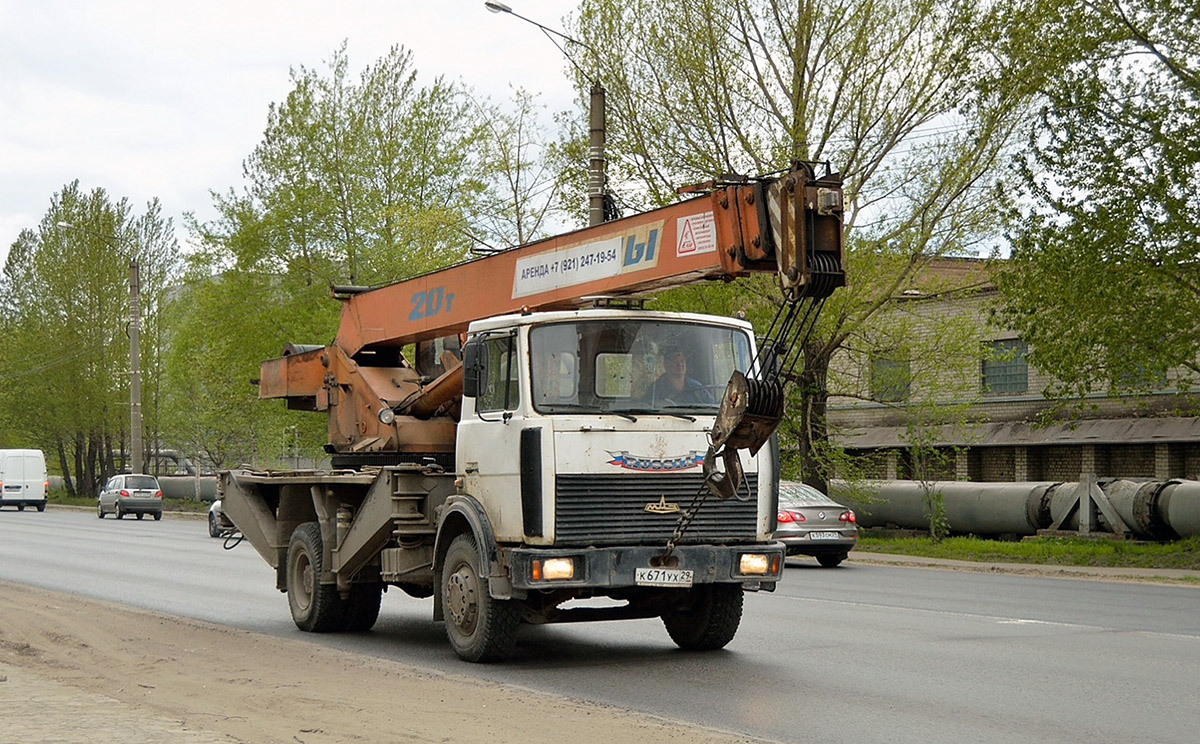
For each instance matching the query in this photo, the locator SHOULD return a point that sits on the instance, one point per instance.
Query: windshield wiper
(657, 412)
(579, 407)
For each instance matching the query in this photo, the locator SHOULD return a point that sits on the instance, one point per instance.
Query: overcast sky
(161, 98)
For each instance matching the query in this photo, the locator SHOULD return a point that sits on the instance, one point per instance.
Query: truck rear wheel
(710, 621)
(316, 607)
(479, 627)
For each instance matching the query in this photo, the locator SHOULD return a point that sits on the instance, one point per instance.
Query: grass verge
(170, 505)
(1054, 551)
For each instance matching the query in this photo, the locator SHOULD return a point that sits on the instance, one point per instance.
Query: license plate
(824, 536)
(663, 577)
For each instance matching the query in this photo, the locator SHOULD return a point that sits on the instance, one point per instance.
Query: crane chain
(685, 521)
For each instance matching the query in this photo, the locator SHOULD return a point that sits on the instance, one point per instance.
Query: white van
(23, 480)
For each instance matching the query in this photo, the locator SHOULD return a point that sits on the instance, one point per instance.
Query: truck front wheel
(316, 607)
(479, 627)
(709, 621)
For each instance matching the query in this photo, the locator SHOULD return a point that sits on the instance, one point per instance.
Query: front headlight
(758, 564)
(554, 569)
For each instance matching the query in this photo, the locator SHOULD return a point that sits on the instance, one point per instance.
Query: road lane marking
(998, 619)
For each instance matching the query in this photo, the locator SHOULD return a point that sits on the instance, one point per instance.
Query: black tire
(140, 515)
(120, 514)
(316, 607)
(831, 560)
(710, 621)
(480, 628)
(157, 516)
(41, 506)
(214, 529)
(362, 608)
(99, 511)
(20, 507)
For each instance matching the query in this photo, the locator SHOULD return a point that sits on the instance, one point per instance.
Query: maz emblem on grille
(662, 507)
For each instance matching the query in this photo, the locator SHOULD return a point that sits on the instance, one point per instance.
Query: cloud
(149, 99)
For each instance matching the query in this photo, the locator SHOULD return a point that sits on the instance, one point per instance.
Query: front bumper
(615, 568)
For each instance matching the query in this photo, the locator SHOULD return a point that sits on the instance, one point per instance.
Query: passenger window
(499, 390)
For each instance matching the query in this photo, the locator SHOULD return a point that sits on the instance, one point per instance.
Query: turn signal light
(158, 494)
(848, 516)
(784, 517)
(124, 494)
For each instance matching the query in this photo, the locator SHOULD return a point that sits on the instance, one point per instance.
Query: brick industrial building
(996, 397)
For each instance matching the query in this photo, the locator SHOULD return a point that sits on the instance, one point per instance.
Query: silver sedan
(810, 523)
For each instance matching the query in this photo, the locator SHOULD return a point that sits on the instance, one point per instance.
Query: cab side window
(499, 390)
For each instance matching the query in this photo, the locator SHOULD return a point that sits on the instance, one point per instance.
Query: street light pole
(135, 351)
(597, 124)
(596, 160)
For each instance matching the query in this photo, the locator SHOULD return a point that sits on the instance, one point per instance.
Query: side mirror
(472, 363)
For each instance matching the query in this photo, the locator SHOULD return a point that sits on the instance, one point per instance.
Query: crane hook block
(749, 414)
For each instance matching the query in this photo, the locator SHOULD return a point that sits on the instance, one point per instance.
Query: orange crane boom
(789, 224)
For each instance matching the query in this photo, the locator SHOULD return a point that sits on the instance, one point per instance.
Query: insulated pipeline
(1151, 509)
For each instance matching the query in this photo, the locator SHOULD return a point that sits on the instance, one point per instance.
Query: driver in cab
(674, 384)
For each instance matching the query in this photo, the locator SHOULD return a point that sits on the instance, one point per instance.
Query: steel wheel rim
(462, 598)
(302, 567)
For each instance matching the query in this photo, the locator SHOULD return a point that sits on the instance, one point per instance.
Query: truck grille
(610, 509)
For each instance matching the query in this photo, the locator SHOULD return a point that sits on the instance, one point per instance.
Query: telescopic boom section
(790, 225)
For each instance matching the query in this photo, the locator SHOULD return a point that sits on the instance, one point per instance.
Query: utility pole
(135, 366)
(597, 134)
(135, 348)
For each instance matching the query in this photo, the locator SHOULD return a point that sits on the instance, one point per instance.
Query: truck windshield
(634, 366)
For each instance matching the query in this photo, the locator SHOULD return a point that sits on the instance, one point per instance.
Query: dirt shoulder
(76, 670)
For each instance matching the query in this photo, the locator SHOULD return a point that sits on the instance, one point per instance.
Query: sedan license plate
(824, 536)
(663, 577)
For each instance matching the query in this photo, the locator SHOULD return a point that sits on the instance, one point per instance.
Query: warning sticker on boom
(697, 234)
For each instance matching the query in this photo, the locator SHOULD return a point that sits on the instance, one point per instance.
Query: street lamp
(597, 183)
(135, 350)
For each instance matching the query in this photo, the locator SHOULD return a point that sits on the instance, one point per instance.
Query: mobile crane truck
(528, 457)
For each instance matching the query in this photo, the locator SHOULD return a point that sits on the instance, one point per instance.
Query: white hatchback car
(130, 494)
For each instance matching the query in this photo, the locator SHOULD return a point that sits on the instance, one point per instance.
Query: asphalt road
(863, 653)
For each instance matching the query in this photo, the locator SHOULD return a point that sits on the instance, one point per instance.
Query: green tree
(1103, 281)
(357, 180)
(65, 306)
(909, 101)
(523, 187)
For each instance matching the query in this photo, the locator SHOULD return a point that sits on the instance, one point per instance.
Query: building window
(890, 379)
(1138, 377)
(1004, 369)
